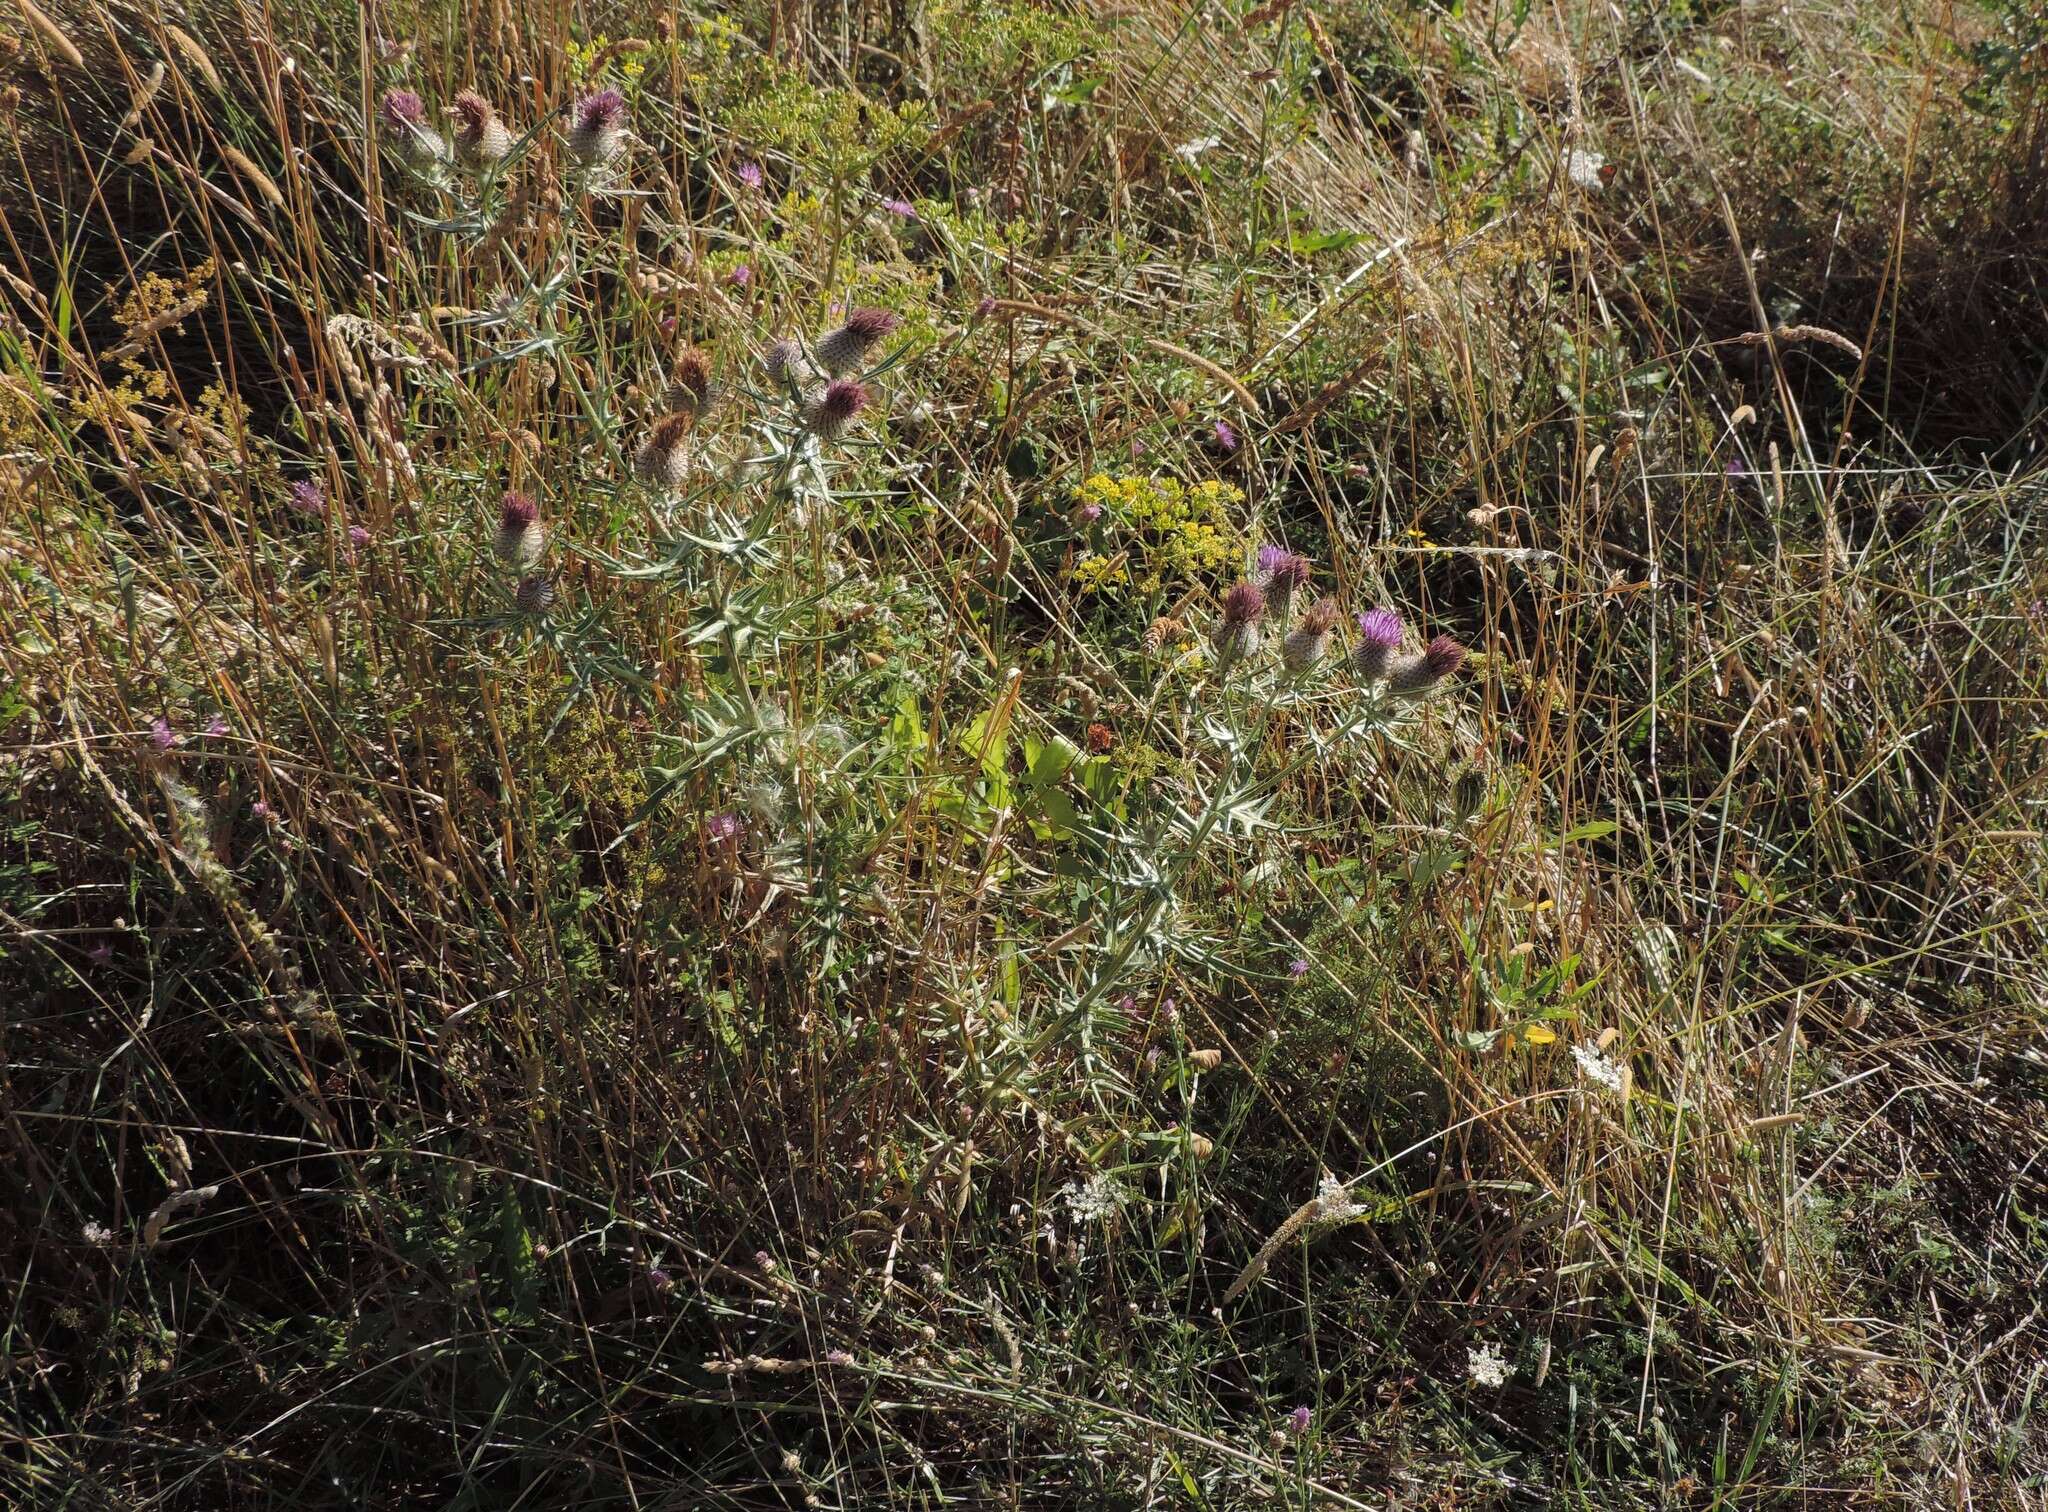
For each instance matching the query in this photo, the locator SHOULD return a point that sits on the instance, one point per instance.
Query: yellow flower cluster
(1170, 532)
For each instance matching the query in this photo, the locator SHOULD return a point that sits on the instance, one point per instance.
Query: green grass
(871, 993)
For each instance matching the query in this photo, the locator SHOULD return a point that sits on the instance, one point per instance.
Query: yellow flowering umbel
(1170, 533)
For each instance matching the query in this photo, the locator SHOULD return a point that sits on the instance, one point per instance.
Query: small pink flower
(358, 537)
(742, 275)
(1299, 1420)
(750, 175)
(900, 207)
(1088, 514)
(261, 810)
(216, 727)
(1297, 969)
(161, 735)
(1226, 436)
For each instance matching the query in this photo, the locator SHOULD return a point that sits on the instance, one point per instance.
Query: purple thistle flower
(216, 727)
(1225, 435)
(986, 307)
(1297, 968)
(404, 115)
(1299, 1419)
(521, 537)
(1238, 635)
(597, 127)
(1307, 642)
(1088, 514)
(402, 107)
(1379, 633)
(723, 827)
(901, 208)
(1417, 675)
(480, 137)
(261, 810)
(1281, 572)
(358, 537)
(848, 345)
(742, 275)
(832, 411)
(309, 498)
(161, 735)
(750, 175)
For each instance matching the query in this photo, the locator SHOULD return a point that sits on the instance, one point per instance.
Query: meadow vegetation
(1080, 754)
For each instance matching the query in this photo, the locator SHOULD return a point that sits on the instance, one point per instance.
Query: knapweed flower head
(1237, 635)
(1088, 514)
(521, 537)
(1281, 573)
(847, 346)
(663, 460)
(1308, 642)
(1297, 968)
(1223, 435)
(832, 411)
(309, 498)
(161, 735)
(1299, 1419)
(742, 275)
(750, 175)
(1416, 675)
(724, 827)
(597, 127)
(359, 537)
(900, 208)
(481, 139)
(535, 593)
(1379, 636)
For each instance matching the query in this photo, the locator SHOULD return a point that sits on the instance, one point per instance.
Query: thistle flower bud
(521, 537)
(1468, 795)
(1416, 675)
(597, 127)
(1309, 640)
(535, 593)
(1238, 635)
(663, 458)
(690, 388)
(1281, 573)
(784, 359)
(1379, 633)
(405, 116)
(832, 411)
(849, 345)
(481, 139)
